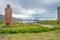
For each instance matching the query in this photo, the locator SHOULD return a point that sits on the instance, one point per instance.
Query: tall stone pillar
(58, 15)
(8, 16)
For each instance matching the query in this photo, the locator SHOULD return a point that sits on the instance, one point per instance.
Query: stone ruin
(8, 16)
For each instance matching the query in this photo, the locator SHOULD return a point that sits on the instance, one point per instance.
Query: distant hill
(1, 17)
(13, 18)
(19, 20)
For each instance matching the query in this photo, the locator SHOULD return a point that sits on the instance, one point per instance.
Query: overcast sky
(32, 9)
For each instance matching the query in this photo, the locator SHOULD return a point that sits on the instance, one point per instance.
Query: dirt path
(47, 25)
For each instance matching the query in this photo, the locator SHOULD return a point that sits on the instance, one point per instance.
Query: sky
(32, 9)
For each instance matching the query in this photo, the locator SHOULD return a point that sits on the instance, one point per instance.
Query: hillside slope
(13, 18)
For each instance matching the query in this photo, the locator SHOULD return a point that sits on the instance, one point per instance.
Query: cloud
(50, 2)
(3, 4)
(28, 13)
(38, 3)
(31, 9)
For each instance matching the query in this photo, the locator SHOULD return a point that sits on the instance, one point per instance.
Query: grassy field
(29, 31)
(23, 25)
(51, 22)
(52, 35)
(27, 27)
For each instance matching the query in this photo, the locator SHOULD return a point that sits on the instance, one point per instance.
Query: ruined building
(8, 16)
(58, 19)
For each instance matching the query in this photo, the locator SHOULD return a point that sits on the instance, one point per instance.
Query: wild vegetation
(29, 31)
(27, 27)
(51, 22)
(52, 35)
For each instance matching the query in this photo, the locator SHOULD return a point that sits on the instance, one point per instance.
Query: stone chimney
(8, 15)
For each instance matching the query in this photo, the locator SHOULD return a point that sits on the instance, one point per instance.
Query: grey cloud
(32, 4)
(37, 3)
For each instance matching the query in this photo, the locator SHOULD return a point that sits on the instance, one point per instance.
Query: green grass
(27, 28)
(19, 31)
(51, 22)
(53, 35)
